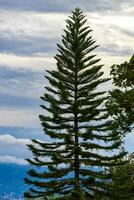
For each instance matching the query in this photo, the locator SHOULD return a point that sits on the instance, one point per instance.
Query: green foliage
(73, 164)
(123, 74)
(122, 185)
(121, 101)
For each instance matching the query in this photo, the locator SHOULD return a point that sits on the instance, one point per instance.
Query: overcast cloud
(29, 32)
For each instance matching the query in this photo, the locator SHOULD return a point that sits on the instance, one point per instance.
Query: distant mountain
(11, 179)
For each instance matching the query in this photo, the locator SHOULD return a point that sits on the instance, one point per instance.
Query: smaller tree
(121, 109)
(121, 101)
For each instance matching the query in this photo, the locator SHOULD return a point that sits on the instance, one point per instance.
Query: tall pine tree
(73, 164)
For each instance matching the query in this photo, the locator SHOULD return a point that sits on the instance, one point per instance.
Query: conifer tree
(73, 165)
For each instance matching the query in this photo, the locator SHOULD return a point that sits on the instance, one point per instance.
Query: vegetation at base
(122, 186)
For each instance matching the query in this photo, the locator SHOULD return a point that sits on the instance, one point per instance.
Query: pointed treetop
(77, 11)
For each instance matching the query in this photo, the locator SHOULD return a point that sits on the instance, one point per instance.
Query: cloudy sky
(29, 31)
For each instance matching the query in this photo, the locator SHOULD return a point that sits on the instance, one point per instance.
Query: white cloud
(110, 60)
(23, 25)
(26, 62)
(9, 139)
(30, 24)
(12, 159)
(19, 117)
(114, 33)
(14, 147)
(107, 27)
(50, 25)
(128, 7)
(14, 150)
(111, 31)
(32, 88)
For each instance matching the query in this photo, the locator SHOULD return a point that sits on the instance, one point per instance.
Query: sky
(29, 32)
